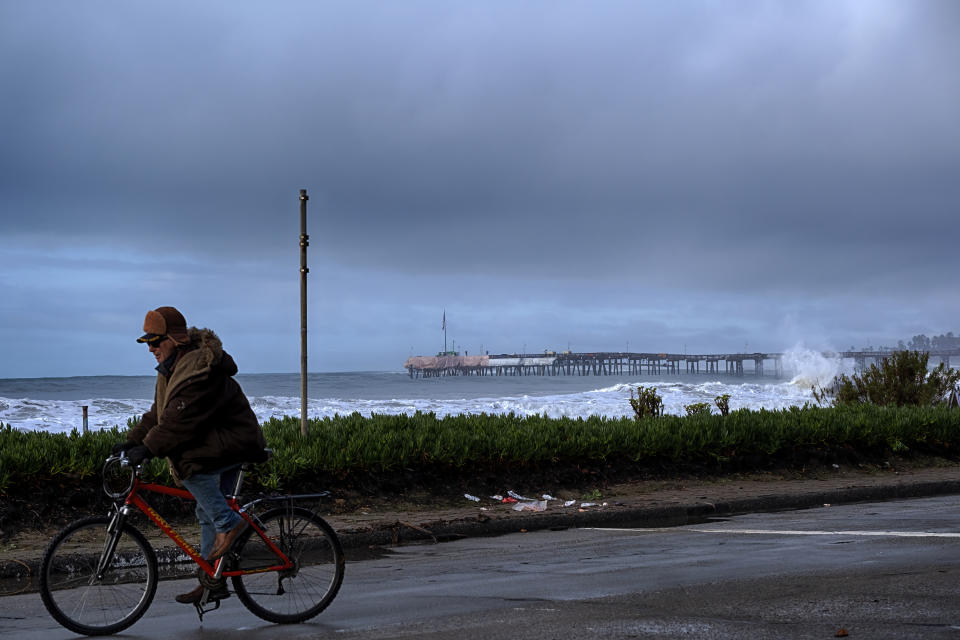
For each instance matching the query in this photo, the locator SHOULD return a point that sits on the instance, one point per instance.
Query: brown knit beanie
(165, 321)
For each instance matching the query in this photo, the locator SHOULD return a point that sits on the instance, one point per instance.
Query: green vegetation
(592, 496)
(647, 404)
(901, 379)
(723, 403)
(354, 445)
(697, 408)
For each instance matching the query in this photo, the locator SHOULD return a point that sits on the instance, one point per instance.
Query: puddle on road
(359, 554)
(648, 522)
(18, 577)
(174, 565)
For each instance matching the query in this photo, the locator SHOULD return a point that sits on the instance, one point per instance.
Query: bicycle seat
(261, 457)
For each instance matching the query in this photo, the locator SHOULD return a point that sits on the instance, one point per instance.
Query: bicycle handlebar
(118, 460)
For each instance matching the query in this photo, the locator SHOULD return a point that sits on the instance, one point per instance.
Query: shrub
(723, 403)
(647, 403)
(697, 408)
(900, 379)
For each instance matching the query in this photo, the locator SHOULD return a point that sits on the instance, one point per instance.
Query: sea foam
(48, 405)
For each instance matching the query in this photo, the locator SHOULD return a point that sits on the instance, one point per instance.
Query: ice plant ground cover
(344, 446)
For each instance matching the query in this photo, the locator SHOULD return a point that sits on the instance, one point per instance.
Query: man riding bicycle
(202, 422)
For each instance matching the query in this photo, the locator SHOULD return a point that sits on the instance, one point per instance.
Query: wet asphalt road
(880, 570)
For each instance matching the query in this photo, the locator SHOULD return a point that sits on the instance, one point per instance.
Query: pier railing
(625, 363)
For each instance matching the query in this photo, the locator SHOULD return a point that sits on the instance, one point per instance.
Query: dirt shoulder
(645, 503)
(444, 514)
(422, 515)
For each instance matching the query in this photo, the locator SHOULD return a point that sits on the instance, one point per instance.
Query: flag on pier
(444, 325)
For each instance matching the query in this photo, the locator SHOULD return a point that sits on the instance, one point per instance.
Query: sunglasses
(155, 341)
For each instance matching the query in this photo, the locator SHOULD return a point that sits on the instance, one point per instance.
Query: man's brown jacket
(200, 419)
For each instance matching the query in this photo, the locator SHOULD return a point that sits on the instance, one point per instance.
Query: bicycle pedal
(202, 610)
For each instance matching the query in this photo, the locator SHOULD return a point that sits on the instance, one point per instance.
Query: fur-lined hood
(206, 342)
(199, 359)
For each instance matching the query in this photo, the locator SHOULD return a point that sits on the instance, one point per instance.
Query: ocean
(55, 404)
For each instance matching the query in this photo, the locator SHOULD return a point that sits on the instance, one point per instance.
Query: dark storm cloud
(778, 148)
(697, 123)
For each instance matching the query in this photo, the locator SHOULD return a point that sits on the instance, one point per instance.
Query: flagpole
(444, 332)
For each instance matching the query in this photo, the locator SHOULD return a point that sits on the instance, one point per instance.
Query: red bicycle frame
(134, 499)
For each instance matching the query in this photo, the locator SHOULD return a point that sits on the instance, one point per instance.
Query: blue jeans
(213, 512)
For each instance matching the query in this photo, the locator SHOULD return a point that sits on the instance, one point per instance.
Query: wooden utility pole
(304, 241)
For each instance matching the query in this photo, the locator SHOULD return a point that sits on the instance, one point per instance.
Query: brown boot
(221, 544)
(217, 592)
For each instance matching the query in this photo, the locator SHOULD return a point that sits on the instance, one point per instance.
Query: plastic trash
(531, 505)
(498, 498)
(470, 497)
(519, 497)
(569, 503)
(547, 496)
(588, 504)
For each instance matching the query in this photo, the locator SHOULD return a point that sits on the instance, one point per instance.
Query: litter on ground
(531, 505)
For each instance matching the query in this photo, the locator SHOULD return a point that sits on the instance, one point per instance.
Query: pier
(596, 364)
(624, 363)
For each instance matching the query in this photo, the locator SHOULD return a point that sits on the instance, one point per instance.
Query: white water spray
(811, 368)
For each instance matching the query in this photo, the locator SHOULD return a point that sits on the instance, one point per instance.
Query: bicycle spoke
(298, 593)
(68, 579)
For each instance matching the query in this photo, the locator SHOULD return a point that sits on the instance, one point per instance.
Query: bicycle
(99, 574)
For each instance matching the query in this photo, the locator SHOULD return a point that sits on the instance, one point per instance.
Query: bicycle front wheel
(298, 593)
(80, 600)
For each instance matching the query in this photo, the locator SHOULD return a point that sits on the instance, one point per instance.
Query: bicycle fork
(114, 531)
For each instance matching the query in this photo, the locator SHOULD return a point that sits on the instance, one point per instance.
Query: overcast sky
(660, 176)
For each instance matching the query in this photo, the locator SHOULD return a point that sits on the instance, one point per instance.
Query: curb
(391, 534)
(401, 532)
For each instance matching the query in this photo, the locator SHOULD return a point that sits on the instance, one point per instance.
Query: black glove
(122, 447)
(137, 454)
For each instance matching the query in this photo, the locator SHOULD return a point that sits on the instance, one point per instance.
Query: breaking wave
(611, 401)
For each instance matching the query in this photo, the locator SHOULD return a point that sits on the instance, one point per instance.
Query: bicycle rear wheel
(73, 594)
(299, 593)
